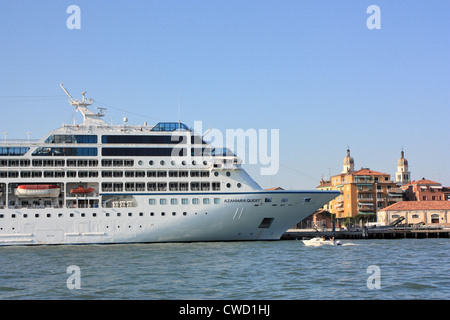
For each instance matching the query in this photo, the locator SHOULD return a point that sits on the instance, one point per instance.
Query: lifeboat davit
(81, 190)
(38, 191)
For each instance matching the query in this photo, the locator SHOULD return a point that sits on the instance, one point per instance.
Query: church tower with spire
(402, 176)
(349, 163)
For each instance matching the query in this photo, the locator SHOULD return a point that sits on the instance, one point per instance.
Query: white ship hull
(236, 217)
(99, 183)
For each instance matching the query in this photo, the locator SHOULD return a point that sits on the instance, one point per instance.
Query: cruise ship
(95, 183)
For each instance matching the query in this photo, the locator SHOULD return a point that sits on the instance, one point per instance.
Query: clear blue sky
(309, 68)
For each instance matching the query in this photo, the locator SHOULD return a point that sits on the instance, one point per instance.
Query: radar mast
(89, 117)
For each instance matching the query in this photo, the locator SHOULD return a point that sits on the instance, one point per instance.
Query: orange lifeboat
(38, 190)
(81, 190)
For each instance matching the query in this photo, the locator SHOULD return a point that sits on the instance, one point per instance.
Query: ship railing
(93, 195)
(30, 206)
(123, 128)
(19, 141)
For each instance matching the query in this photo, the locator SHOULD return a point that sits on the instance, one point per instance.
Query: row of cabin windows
(157, 152)
(104, 174)
(160, 186)
(81, 163)
(107, 152)
(62, 163)
(184, 201)
(86, 163)
(124, 139)
(94, 215)
(156, 174)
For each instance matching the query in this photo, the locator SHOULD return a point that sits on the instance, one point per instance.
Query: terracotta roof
(424, 181)
(368, 172)
(418, 205)
(324, 184)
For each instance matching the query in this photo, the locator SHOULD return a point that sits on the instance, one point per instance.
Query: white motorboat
(320, 241)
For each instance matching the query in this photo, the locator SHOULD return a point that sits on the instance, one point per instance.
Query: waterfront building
(424, 190)
(417, 212)
(321, 219)
(363, 192)
(326, 185)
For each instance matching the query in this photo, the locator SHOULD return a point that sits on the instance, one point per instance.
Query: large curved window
(156, 139)
(170, 126)
(67, 138)
(63, 152)
(144, 152)
(13, 151)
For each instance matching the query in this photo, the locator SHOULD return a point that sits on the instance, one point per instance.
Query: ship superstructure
(100, 183)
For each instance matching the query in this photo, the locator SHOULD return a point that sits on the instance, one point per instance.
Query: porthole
(183, 163)
(194, 162)
(205, 162)
(151, 162)
(216, 174)
(239, 185)
(228, 173)
(162, 162)
(228, 185)
(140, 162)
(172, 162)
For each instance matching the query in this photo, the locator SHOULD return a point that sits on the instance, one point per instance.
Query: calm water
(408, 269)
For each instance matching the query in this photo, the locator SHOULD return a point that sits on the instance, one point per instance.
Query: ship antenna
(179, 112)
(88, 116)
(83, 103)
(67, 92)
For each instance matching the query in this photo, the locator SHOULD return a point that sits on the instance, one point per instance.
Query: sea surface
(288, 270)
